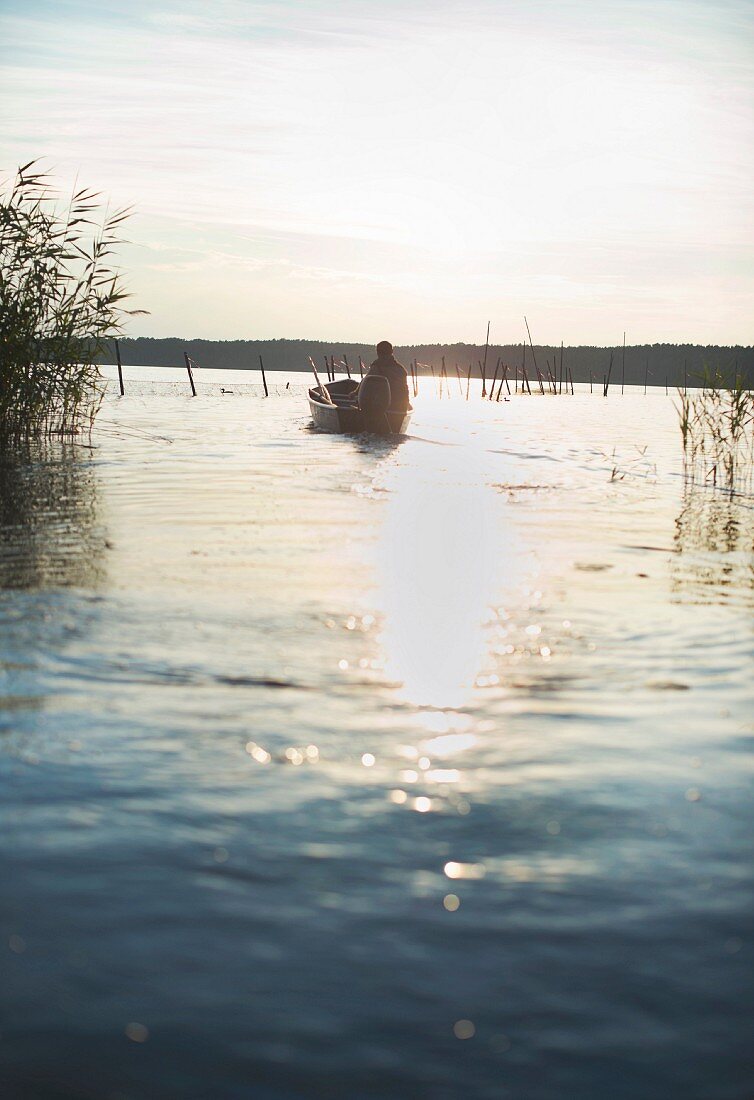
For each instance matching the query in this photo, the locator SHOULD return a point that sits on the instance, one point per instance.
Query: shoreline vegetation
(672, 365)
(61, 301)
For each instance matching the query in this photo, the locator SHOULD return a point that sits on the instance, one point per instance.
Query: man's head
(384, 348)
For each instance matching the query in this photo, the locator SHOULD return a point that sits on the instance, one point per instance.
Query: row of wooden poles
(606, 377)
(551, 380)
(343, 365)
(555, 379)
(191, 364)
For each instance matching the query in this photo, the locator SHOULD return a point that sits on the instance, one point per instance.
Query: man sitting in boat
(388, 367)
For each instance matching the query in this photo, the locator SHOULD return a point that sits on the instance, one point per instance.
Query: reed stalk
(717, 432)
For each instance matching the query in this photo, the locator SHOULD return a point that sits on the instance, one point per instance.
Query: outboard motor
(374, 402)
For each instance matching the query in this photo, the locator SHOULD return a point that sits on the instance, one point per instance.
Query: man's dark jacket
(389, 367)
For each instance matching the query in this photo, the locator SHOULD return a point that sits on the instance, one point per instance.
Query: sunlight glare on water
(438, 562)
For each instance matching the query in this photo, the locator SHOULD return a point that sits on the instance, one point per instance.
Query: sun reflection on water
(441, 556)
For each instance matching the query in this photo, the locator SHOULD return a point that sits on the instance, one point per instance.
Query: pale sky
(405, 169)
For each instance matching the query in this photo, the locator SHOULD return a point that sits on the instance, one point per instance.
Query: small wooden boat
(342, 414)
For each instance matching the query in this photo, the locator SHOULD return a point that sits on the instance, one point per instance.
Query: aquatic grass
(61, 300)
(717, 431)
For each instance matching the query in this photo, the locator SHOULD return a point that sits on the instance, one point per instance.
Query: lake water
(374, 768)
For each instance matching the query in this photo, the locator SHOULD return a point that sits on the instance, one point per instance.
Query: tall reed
(61, 301)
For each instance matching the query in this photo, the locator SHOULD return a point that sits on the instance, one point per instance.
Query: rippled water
(366, 768)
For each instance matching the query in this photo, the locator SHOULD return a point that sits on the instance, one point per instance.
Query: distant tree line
(660, 364)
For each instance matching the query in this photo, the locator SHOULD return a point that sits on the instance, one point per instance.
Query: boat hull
(343, 418)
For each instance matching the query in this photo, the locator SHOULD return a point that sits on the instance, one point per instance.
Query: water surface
(374, 768)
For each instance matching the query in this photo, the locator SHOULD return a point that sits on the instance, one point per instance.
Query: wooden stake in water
(191, 377)
(591, 381)
(606, 384)
(494, 380)
(561, 366)
(502, 377)
(264, 380)
(530, 343)
(484, 367)
(348, 369)
(525, 381)
(361, 367)
(120, 368)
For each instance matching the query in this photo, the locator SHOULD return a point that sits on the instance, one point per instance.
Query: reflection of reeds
(717, 431)
(714, 540)
(51, 534)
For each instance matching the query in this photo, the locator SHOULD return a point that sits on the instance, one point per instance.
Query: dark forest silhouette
(660, 363)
